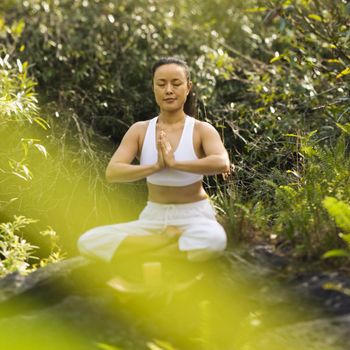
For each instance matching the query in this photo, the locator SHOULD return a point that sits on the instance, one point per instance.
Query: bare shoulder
(204, 128)
(139, 126)
(137, 129)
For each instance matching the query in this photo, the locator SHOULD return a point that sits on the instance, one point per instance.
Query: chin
(171, 108)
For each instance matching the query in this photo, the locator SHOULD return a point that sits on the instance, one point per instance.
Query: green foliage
(340, 212)
(95, 60)
(322, 171)
(263, 72)
(18, 106)
(19, 117)
(286, 83)
(16, 253)
(244, 219)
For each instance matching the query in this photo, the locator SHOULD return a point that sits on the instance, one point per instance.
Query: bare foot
(172, 232)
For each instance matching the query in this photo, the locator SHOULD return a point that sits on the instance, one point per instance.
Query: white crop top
(184, 151)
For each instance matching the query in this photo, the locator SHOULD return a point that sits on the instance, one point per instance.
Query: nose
(168, 89)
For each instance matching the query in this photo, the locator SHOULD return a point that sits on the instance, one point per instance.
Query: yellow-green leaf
(345, 127)
(256, 9)
(340, 211)
(315, 17)
(346, 71)
(336, 253)
(104, 346)
(279, 57)
(42, 122)
(345, 237)
(41, 149)
(333, 60)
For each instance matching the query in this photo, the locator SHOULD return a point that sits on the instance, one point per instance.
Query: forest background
(271, 76)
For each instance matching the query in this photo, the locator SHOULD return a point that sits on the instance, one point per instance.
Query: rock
(265, 255)
(16, 284)
(48, 285)
(319, 334)
(76, 322)
(71, 303)
(328, 290)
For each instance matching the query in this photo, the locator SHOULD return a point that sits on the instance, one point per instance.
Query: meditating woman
(174, 152)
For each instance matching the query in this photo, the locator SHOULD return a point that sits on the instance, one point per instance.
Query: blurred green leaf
(315, 17)
(345, 71)
(336, 253)
(340, 211)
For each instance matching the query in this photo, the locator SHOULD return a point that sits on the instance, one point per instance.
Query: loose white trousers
(196, 221)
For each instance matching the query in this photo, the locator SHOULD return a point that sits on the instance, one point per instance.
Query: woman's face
(171, 87)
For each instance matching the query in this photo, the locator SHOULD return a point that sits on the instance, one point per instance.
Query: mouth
(169, 99)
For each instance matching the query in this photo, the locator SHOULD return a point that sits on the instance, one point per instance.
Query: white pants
(199, 230)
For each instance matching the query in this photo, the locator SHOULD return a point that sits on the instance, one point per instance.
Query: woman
(174, 152)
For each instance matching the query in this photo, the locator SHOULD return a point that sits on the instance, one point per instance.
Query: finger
(168, 147)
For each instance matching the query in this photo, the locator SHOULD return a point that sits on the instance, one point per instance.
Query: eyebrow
(162, 79)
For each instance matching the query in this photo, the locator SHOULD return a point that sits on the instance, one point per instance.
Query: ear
(189, 86)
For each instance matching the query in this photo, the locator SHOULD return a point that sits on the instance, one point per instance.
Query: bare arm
(216, 160)
(120, 169)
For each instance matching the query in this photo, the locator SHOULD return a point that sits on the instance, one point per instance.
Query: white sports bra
(184, 151)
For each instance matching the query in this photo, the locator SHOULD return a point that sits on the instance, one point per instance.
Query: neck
(172, 117)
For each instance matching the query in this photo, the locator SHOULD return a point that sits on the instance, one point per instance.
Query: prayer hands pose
(166, 150)
(166, 157)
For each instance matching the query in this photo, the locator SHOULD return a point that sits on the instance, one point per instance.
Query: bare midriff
(176, 195)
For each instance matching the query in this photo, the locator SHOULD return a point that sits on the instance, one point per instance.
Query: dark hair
(190, 103)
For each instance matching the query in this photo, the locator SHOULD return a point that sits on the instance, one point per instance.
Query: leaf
(282, 25)
(308, 151)
(346, 71)
(26, 171)
(333, 60)
(104, 346)
(345, 237)
(42, 122)
(315, 17)
(19, 175)
(161, 344)
(340, 211)
(345, 127)
(296, 174)
(41, 149)
(294, 135)
(347, 7)
(276, 58)
(256, 9)
(336, 253)
(2, 23)
(19, 65)
(17, 28)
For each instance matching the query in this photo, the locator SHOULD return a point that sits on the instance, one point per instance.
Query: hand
(167, 150)
(160, 162)
(226, 175)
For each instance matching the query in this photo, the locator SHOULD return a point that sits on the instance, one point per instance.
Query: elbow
(109, 176)
(225, 166)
